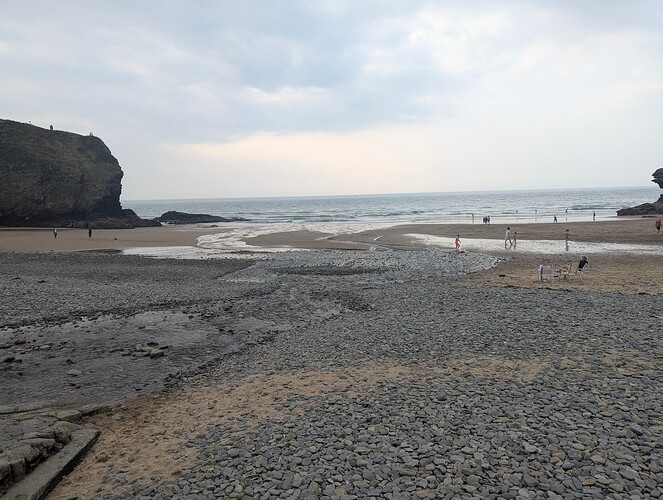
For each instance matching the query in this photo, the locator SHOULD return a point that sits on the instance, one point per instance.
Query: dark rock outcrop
(57, 178)
(658, 177)
(644, 209)
(172, 217)
(655, 208)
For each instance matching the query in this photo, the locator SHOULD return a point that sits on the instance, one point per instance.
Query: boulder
(57, 178)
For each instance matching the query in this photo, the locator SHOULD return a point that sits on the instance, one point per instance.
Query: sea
(352, 214)
(522, 206)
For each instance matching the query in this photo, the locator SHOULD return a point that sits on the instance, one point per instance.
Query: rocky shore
(336, 375)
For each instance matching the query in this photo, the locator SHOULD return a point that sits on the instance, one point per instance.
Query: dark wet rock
(655, 208)
(174, 217)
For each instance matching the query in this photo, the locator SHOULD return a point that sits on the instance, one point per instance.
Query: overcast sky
(270, 98)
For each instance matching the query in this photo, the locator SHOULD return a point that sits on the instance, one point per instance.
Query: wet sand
(627, 231)
(626, 272)
(32, 240)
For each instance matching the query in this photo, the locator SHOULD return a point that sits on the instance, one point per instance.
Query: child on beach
(457, 243)
(566, 238)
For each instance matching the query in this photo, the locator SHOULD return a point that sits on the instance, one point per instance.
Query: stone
(62, 434)
(5, 469)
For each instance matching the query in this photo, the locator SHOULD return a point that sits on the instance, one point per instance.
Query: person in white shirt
(507, 237)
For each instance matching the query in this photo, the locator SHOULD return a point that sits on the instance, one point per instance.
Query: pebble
(435, 388)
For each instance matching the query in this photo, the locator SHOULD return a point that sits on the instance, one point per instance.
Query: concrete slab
(43, 479)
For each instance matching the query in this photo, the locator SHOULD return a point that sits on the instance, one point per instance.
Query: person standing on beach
(593, 215)
(55, 232)
(658, 225)
(566, 238)
(458, 243)
(89, 234)
(555, 218)
(515, 238)
(507, 237)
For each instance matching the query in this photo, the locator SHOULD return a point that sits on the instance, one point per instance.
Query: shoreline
(622, 271)
(396, 236)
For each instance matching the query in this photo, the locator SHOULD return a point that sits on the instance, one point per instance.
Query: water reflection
(542, 246)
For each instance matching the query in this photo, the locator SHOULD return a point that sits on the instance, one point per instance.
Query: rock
(57, 178)
(529, 448)
(658, 177)
(648, 208)
(74, 373)
(173, 217)
(62, 434)
(5, 469)
(157, 353)
(644, 209)
(68, 417)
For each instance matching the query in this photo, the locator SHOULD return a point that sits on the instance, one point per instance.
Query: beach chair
(571, 271)
(546, 272)
(580, 272)
(565, 272)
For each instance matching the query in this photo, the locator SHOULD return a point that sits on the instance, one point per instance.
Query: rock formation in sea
(173, 217)
(57, 178)
(655, 208)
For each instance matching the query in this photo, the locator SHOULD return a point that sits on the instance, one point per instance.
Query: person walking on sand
(658, 225)
(457, 243)
(555, 218)
(55, 232)
(515, 238)
(89, 233)
(507, 237)
(593, 215)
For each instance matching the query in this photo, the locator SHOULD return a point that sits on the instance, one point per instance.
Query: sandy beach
(29, 240)
(626, 272)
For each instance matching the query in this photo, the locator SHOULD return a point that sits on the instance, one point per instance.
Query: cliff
(655, 208)
(57, 178)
